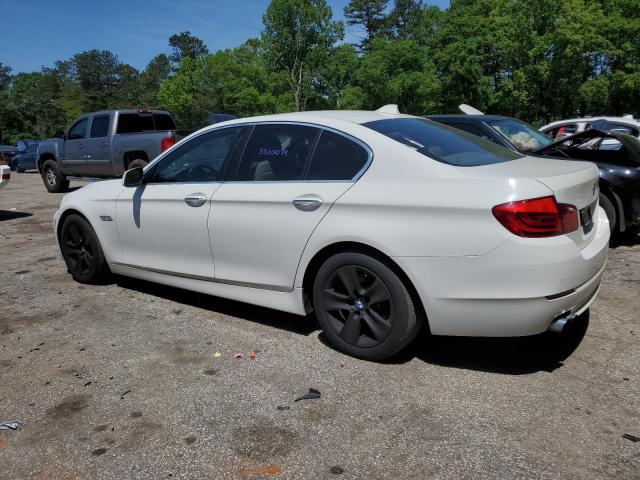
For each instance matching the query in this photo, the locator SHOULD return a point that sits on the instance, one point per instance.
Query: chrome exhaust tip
(558, 324)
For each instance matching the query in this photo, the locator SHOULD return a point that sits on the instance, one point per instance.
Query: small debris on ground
(12, 425)
(336, 470)
(253, 355)
(283, 407)
(313, 393)
(633, 438)
(123, 394)
(239, 355)
(217, 354)
(268, 470)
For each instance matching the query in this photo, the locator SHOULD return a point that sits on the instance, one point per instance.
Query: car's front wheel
(82, 251)
(363, 306)
(52, 177)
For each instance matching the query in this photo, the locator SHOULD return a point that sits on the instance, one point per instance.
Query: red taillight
(166, 143)
(537, 217)
(6, 176)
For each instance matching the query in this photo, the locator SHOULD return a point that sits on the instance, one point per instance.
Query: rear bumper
(503, 293)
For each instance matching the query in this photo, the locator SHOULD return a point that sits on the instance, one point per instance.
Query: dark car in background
(616, 155)
(7, 152)
(27, 158)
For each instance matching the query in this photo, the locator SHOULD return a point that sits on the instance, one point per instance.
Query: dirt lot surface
(122, 381)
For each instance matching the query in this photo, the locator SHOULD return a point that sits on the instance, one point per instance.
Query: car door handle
(195, 200)
(307, 203)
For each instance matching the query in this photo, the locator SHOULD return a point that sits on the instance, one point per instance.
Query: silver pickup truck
(104, 144)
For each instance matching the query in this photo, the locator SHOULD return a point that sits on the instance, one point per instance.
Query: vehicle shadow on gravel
(264, 316)
(13, 215)
(509, 356)
(626, 239)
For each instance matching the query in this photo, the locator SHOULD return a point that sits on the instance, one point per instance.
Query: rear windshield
(522, 136)
(443, 143)
(144, 122)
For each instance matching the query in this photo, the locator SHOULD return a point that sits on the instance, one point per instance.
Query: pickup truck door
(98, 146)
(73, 160)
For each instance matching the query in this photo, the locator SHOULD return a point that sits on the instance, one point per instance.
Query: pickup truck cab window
(201, 159)
(78, 130)
(99, 126)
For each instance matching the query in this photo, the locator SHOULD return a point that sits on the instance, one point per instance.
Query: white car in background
(565, 128)
(5, 175)
(379, 222)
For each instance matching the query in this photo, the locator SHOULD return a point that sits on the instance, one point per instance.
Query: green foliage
(398, 71)
(297, 38)
(370, 16)
(185, 45)
(537, 60)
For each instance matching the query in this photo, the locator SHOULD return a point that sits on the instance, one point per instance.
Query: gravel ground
(122, 381)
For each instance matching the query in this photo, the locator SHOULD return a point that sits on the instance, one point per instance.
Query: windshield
(443, 143)
(524, 137)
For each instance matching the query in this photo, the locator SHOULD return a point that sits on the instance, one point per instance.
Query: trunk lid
(572, 182)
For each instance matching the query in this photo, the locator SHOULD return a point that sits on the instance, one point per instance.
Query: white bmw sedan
(377, 222)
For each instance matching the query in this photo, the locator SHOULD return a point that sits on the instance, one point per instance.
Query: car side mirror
(133, 177)
(59, 134)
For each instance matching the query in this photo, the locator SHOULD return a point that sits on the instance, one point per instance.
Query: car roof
(463, 117)
(351, 116)
(128, 110)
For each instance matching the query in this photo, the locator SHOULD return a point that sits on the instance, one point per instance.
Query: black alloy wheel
(81, 250)
(358, 306)
(363, 306)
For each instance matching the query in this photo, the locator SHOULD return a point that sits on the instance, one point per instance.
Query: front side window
(443, 143)
(522, 136)
(79, 130)
(276, 152)
(336, 158)
(100, 126)
(200, 159)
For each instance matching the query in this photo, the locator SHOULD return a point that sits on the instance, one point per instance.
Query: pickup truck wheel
(82, 251)
(137, 163)
(53, 179)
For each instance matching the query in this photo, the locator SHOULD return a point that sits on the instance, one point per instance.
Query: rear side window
(443, 143)
(336, 158)
(163, 121)
(276, 153)
(135, 123)
(100, 126)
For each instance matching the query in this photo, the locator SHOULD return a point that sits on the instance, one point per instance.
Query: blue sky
(35, 33)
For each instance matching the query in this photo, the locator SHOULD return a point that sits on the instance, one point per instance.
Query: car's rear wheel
(610, 210)
(81, 250)
(363, 307)
(53, 179)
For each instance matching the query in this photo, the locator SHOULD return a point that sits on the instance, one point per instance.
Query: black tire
(53, 179)
(20, 170)
(138, 162)
(81, 250)
(610, 210)
(363, 307)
